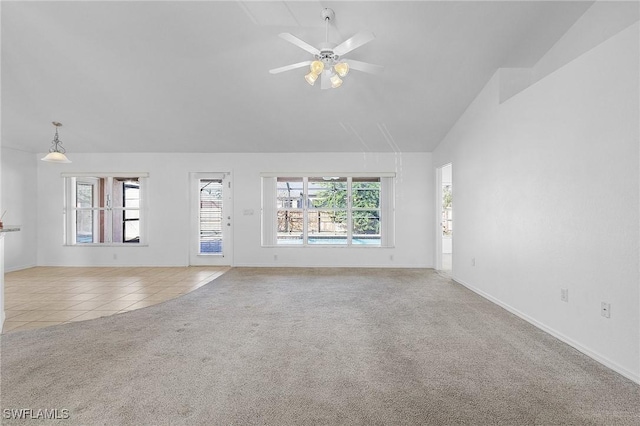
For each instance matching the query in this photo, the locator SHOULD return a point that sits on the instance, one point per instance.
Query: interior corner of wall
(601, 22)
(512, 81)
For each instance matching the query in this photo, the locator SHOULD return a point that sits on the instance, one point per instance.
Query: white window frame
(70, 208)
(270, 210)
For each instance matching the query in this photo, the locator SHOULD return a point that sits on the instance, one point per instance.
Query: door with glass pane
(210, 242)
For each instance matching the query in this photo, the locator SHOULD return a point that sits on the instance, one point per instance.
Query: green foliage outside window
(365, 204)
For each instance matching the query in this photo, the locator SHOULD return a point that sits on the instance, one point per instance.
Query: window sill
(106, 245)
(324, 246)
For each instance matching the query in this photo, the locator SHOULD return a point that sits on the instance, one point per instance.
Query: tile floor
(43, 296)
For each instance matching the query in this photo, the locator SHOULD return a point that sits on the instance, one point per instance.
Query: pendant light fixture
(56, 152)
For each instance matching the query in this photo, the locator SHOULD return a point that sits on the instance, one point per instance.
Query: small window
(103, 210)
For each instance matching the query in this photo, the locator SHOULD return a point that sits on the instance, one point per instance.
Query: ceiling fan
(328, 62)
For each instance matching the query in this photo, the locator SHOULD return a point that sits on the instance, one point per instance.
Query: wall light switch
(605, 309)
(564, 294)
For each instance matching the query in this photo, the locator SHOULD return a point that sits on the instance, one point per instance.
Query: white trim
(269, 212)
(327, 246)
(387, 211)
(104, 245)
(591, 354)
(103, 174)
(20, 268)
(278, 264)
(315, 174)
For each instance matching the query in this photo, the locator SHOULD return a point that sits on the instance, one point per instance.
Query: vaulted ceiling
(179, 76)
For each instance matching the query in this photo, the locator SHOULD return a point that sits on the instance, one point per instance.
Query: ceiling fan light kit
(328, 64)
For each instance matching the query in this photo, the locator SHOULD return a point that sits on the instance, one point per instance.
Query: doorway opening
(444, 258)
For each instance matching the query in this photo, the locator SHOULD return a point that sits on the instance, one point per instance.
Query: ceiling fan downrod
(326, 54)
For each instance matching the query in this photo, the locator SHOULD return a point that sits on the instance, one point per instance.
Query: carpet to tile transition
(312, 346)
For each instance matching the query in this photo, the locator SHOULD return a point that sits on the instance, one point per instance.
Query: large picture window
(328, 211)
(104, 209)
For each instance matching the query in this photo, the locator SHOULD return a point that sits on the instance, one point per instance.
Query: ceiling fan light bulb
(342, 68)
(311, 78)
(316, 67)
(336, 81)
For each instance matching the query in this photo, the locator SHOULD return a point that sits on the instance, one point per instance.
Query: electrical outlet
(605, 309)
(473, 261)
(115, 256)
(390, 257)
(564, 294)
(275, 257)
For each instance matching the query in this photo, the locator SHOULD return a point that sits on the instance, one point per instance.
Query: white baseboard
(590, 353)
(17, 268)
(298, 265)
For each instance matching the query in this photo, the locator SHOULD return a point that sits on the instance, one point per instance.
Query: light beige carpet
(313, 346)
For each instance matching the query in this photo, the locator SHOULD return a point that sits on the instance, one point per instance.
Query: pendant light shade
(56, 157)
(56, 152)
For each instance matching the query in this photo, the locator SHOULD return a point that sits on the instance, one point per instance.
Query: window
(104, 209)
(328, 211)
(210, 216)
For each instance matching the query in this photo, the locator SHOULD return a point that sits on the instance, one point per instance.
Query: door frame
(194, 256)
(438, 221)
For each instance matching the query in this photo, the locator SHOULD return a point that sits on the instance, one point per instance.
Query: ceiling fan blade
(354, 42)
(289, 67)
(300, 43)
(364, 66)
(325, 82)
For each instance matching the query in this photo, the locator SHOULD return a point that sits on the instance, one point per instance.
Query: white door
(210, 242)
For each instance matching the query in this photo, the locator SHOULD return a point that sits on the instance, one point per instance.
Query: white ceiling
(193, 76)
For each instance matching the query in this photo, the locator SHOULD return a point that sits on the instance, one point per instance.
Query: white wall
(19, 198)
(2, 314)
(168, 223)
(547, 197)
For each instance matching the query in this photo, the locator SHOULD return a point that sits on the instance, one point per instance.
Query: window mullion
(108, 211)
(305, 211)
(349, 209)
